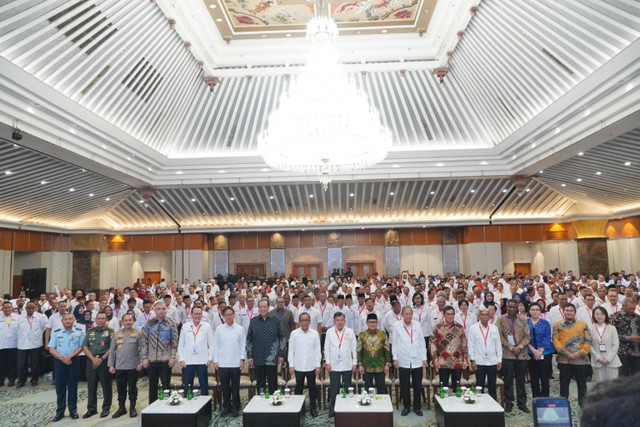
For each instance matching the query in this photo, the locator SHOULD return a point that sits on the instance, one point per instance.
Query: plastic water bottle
(189, 393)
(266, 393)
(160, 394)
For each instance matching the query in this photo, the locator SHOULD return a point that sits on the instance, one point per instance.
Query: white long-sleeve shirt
(229, 346)
(313, 313)
(31, 330)
(340, 349)
(389, 320)
(467, 321)
(585, 314)
(304, 350)
(195, 346)
(408, 346)
(422, 314)
(9, 331)
(326, 314)
(141, 321)
(484, 353)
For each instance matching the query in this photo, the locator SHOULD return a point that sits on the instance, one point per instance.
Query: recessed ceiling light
(581, 154)
(361, 228)
(219, 20)
(513, 157)
(193, 200)
(396, 166)
(473, 191)
(179, 173)
(533, 145)
(587, 112)
(541, 171)
(484, 163)
(128, 158)
(384, 31)
(221, 171)
(311, 196)
(439, 164)
(141, 201)
(107, 199)
(527, 190)
(627, 163)
(288, 34)
(72, 189)
(212, 6)
(464, 206)
(232, 199)
(598, 173)
(557, 131)
(161, 200)
(351, 195)
(149, 169)
(265, 169)
(433, 192)
(90, 194)
(392, 193)
(579, 179)
(563, 185)
(424, 226)
(8, 172)
(504, 191)
(271, 197)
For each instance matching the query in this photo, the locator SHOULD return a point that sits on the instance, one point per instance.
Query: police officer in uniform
(64, 345)
(125, 363)
(96, 346)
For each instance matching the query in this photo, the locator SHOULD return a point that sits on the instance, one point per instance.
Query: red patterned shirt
(449, 345)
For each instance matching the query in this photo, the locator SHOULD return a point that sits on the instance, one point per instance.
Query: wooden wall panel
(492, 233)
(47, 240)
(306, 239)
(61, 243)
(292, 239)
(474, 234)
(163, 242)
(433, 236)
(35, 241)
(319, 239)
(264, 240)
(348, 238)
(21, 240)
(376, 237)
(419, 236)
(531, 232)
(196, 241)
(406, 236)
(142, 242)
(6, 237)
(510, 233)
(362, 238)
(236, 241)
(250, 240)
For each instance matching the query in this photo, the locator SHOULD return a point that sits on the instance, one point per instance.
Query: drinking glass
(350, 390)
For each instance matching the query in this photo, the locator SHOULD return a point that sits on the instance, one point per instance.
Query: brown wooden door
(155, 276)
(361, 269)
(309, 270)
(522, 268)
(17, 286)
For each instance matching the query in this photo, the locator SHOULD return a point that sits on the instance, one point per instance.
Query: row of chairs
(430, 383)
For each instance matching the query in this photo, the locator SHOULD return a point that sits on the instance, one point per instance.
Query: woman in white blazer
(604, 346)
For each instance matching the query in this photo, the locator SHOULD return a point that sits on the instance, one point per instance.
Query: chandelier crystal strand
(324, 124)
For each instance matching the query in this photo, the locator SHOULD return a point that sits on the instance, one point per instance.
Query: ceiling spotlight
(439, 164)
(433, 192)
(193, 200)
(484, 163)
(8, 172)
(141, 201)
(473, 191)
(288, 34)
(396, 166)
(598, 173)
(219, 20)
(527, 190)
(107, 199)
(161, 200)
(504, 191)
(579, 179)
(265, 169)
(351, 195)
(221, 171)
(16, 135)
(212, 6)
(557, 131)
(581, 154)
(232, 199)
(392, 193)
(72, 189)
(627, 163)
(179, 173)
(541, 171)
(384, 31)
(271, 197)
(533, 145)
(563, 185)
(90, 194)
(311, 196)
(513, 157)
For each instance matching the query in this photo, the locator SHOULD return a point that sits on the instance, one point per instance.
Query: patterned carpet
(30, 406)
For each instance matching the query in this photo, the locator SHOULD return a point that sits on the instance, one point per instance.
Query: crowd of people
(509, 325)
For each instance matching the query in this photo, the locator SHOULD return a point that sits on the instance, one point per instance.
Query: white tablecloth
(380, 403)
(484, 403)
(292, 404)
(186, 407)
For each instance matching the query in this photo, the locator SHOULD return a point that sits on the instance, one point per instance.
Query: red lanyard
(561, 312)
(195, 334)
(146, 316)
(250, 315)
(30, 322)
(420, 314)
(322, 309)
(410, 334)
(464, 321)
(397, 318)
(340, 338)
(483, 334)
(493, 320)
(187, 310)
(603, 331)
(363, 307)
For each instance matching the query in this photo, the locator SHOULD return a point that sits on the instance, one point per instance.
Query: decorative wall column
(392, 253)
(277, 254)
(450, 249)
(334, 252)
(593, 256)
(220, 255)
(86, 261)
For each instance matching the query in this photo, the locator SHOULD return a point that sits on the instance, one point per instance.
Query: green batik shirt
(98, 340)
(373, 350)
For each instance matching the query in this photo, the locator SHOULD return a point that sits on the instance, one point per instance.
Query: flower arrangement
(174, 398)
(469, 397)
(277, 399)
(365, 399)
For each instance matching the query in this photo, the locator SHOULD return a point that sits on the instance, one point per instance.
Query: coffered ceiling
(117, 88)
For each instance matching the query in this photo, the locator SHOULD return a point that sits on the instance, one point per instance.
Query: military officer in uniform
(96, 346)
(125, 363)
(64, 345)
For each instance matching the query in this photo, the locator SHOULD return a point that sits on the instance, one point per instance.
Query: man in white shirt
(585, 313)
(369, 309)
(147, 314)
(130, 308)
(244, 315)
(30, 332)
(55, 322)
(326, 315)
(392, 317)
(316, 320)
(340, 356)
(437, 311)
(195, 351)
(485, 352)
(405, 296)
(612, 305)
(304, 359)
(349, 314)
(185, 309)
(8, 344)
(409, 357)
(557, 312)
(229, 353)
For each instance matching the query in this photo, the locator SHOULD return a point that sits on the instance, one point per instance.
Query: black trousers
(267, 374)
(377, 377)
(579, 372)
(539, 377)
(103, 376)
(630, 365)
(29, 359)
(127, 378)
(514, 368)
(8, 364)
(311, 384)
(336, 379)
(426, 341)
(157, 370)
(230, 386)
(454, 374)
(415, 376)
(488, 373)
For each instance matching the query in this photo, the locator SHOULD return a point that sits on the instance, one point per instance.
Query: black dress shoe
(11, 383)
(74, 416)
(58, 417)
(225, 412)
(235, 413)
(89, 414)
(104, 413)
(120, 412)
(508, 408)
(418, 412)
(524, 409)
(133, 413)
(405, 412)
(19, 385)
(314, 412)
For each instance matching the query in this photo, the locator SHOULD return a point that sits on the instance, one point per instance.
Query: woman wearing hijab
(112, 321)
(489, 300)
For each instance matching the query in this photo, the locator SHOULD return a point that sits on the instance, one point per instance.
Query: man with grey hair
(485, 352)
(437, 310)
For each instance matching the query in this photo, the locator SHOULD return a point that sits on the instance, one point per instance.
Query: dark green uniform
(98, 341)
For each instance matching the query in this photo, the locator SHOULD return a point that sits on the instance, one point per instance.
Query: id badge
(102, 343)
(413, 353)
(511, 340)
(603, 348)
(339, 358)
(194, 349)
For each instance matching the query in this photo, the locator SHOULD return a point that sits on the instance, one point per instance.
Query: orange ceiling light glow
(117, 239)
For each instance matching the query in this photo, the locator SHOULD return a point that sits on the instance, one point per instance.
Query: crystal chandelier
(324, 124)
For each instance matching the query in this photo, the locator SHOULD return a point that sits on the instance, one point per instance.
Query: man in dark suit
(286, 317)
